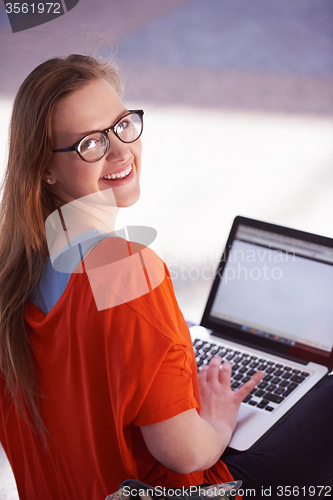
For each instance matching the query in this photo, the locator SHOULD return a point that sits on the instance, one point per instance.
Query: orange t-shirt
(103, 372)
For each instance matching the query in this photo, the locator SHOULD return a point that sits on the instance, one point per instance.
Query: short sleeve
(171, 391)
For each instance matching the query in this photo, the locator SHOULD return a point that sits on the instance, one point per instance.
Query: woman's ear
(48, 177)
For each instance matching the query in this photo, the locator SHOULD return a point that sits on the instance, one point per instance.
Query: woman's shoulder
(120, 271)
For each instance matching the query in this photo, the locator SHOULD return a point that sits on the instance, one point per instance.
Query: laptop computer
(270, 308)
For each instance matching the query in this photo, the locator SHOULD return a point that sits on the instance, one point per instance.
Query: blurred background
(238, 100)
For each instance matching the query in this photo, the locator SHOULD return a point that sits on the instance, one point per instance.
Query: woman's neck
(92, 212)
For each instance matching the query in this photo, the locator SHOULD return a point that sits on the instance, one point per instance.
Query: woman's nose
(118, 151)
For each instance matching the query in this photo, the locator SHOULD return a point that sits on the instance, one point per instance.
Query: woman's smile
(120, 174)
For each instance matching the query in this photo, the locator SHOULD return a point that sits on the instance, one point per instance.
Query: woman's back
(102, 373)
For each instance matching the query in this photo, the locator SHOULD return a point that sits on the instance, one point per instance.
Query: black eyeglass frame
(75, 146)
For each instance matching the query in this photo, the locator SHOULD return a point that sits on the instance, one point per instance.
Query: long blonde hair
(26, 203)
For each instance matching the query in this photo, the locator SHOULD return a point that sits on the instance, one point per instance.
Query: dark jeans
(296, 458)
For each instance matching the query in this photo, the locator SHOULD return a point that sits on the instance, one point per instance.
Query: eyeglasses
(94, 146)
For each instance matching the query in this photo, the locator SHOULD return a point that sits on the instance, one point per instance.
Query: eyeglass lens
(94, 146)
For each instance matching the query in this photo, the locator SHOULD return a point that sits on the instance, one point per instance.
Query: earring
(49, 181)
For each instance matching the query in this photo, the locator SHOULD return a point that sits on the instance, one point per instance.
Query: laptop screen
(273, 289)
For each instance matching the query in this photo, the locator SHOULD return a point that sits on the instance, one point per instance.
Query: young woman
(99, 382)
(98, 377)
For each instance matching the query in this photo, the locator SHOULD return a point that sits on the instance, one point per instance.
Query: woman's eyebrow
(116, 120)
(75, 136)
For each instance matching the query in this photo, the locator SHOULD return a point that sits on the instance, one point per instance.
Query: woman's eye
(89, 143)
(123, 125)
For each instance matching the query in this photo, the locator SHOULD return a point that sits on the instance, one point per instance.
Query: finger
(225, 373)
(243, 391)
(214, 369)
(202, 376)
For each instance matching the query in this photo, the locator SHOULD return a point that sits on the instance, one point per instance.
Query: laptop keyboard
(279, 381)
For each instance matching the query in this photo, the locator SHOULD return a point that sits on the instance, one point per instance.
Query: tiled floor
(238, 100)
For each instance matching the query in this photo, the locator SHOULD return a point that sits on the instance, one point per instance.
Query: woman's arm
(191, 442)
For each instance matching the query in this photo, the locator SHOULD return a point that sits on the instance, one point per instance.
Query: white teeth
(119, 175)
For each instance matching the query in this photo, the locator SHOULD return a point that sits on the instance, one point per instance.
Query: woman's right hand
(219, 403)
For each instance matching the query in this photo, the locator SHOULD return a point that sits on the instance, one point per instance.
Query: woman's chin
(128, 200)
